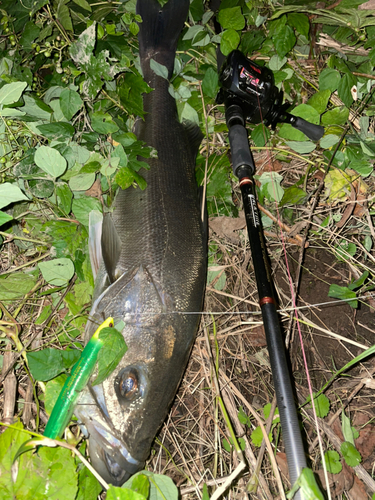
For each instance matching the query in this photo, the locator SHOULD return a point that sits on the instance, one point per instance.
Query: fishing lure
(74, 384)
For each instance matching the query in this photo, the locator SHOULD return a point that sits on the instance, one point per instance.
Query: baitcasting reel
(252, 87)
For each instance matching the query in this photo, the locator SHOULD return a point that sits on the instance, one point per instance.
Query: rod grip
(239, 145)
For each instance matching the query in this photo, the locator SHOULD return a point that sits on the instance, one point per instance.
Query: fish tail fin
(159, 31)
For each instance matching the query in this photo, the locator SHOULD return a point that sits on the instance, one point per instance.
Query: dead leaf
(225, 227)
(95, 190)
(338, 483)
(358, 491)
(365, 443)
(282, 463)
(370, 5)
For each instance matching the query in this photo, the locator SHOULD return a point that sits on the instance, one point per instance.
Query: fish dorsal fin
(111, 247)
(95, 236)
(195, 136)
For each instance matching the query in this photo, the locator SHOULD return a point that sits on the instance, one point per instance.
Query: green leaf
(125, 177)
(192, 31)
(50, 160)
(220, 283)
(343, 293)
(322, 405)
(10, 193)
(11, 92)
(260, 135)
(309, 487)
(300, 22)
(83, 206)
(91, 167)
(81, 182)
(344, 89)
(159, 69)
(50, 473)
(351, 456)
(328, 141)
(57, 130)
(63, 15)
(301, 147)
(231, 18)
(36, 108)
(332, 460)
(53, 389)
(10, 442)
(360, 281)
(345, 250)
(346, 428)
(16, 286)
(48, 363)
(103, 123)
(229, 41)
(205, 494)
(226, 445)
(210, 83)
(141, 485)
(161, 487)
(57, 272)
(293, 195)
(70, 103)
(362, 167)
(85, 5)
(329, 79)
(88, 486)
(243, 418)
(30, 33)
(320, 100)
(336, 116)
(257, 437)
(110, 354)
(4, 218)
(116, 493)
(271, 186)
(284, 40)
(41, 188)
(64, 197)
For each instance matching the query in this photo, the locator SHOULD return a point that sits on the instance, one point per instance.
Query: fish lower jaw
(110, 457)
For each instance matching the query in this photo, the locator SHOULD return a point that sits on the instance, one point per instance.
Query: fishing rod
(249, 94)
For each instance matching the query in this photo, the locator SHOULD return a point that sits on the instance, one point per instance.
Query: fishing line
(294, 308)
(337, 302)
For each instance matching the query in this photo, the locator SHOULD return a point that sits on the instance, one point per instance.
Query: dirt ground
(195, 430)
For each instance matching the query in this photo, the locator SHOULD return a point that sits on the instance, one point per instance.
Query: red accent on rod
(266, 300)
(245, 180)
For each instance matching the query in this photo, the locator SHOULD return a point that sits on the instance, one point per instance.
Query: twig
(10, 386)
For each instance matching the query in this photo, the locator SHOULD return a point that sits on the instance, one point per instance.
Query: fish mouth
(109, 455)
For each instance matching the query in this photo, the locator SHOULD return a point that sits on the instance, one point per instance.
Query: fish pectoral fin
(95, 236)
(194, 135)
(111, 247)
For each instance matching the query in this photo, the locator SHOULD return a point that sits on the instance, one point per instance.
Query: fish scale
(153, 269)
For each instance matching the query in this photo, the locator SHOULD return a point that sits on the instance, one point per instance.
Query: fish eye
(127, 385)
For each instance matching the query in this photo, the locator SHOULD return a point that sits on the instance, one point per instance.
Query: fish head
(122, 415)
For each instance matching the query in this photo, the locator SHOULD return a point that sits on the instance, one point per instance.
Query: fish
(152, 272)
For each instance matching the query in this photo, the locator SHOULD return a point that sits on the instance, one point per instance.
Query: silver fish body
(153, 270)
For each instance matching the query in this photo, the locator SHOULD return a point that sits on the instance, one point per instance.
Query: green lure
(74, 384)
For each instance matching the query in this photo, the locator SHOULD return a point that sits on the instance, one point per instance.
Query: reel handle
(313, 132)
